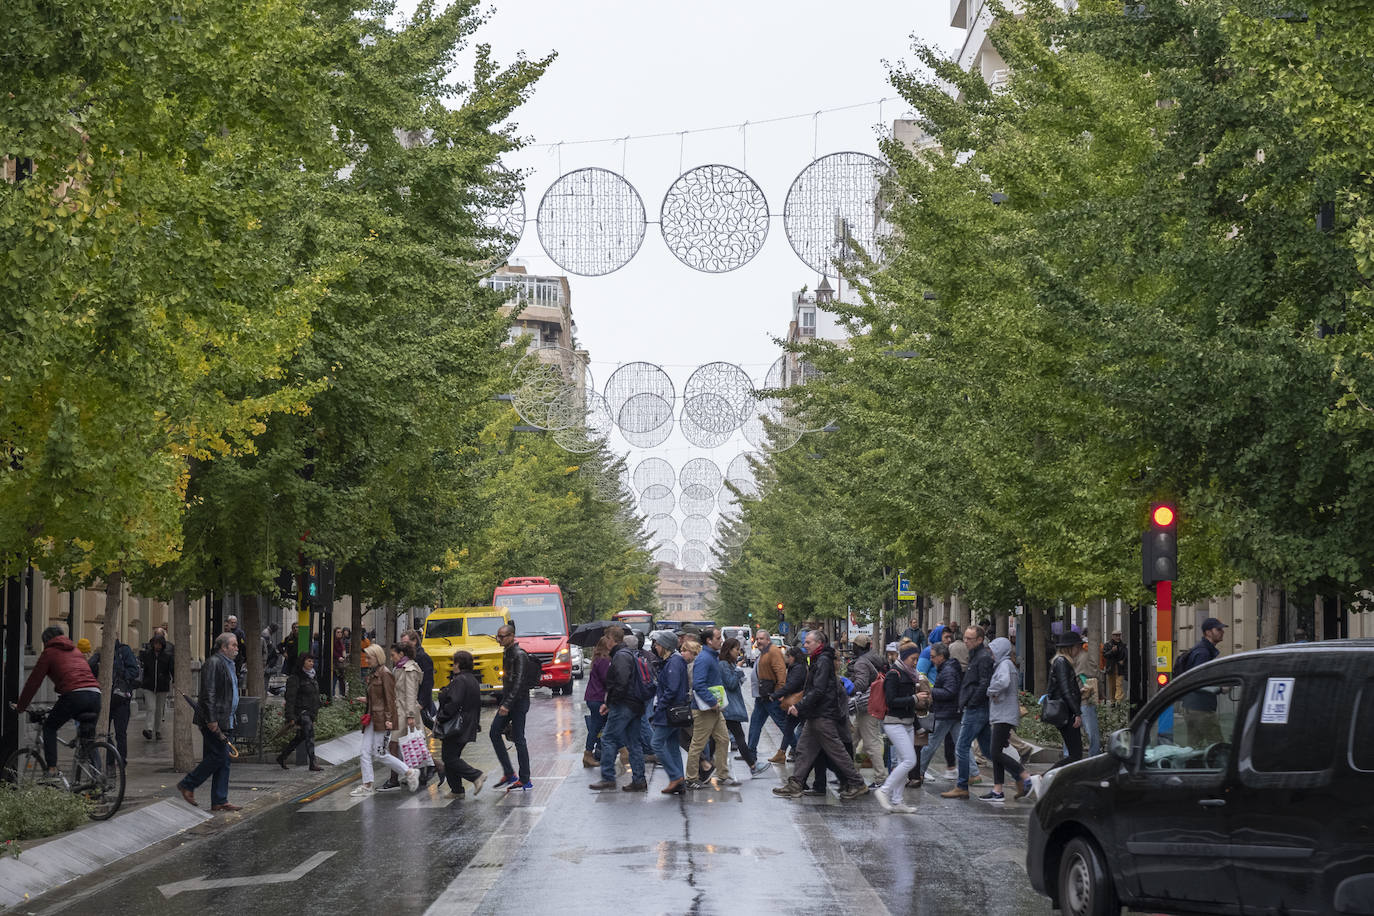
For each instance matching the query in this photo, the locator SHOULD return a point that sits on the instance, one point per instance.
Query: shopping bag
(415, 750)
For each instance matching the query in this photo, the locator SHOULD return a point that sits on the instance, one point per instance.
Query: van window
(1195, 732)
(1307, 741)
(444, 628)
(1362, 731)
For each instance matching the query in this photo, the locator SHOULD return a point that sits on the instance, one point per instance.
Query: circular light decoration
(718, 397)
(657, 505)
(591, 222)
(667, 555)
(700, 472)
(729, 553)
(727, 504)
(698, 493)
(651, 439)
(836, 196)
(652, 471)
(696, 528)
(701, 438)
(714, 219)
(661, 528)
(787, 372)
(641, 396)
(502, 207)
(697, 504)
(605, 482)
(656, 491)
(695, 556)
(771, 426)
(587, 425)
(733, 533)
(550, 387)
(741, 473)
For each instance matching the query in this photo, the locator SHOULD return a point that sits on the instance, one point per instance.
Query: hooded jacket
(731, 677)
(924, 664)
(672, 688)
(66, 666)
(1005, 705)
(820, 698)
(864, 671)
(944, 692)
(618, 679)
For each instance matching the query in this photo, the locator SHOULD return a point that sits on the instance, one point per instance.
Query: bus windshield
(535, 615)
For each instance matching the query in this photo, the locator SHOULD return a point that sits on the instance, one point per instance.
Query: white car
(576, 659)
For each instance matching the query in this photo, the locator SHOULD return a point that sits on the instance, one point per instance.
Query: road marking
(851, 889)
(668, 848)
(205, 884)
(466, 891)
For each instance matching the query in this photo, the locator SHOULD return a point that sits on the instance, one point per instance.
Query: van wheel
(1085, 885)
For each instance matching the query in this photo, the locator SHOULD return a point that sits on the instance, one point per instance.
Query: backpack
(1181, 663)
(877, 696)
(642, 680)
(534, 670)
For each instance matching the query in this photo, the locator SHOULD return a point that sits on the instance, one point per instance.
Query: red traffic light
(779, 605)
(1161, 678)
(1163, 516)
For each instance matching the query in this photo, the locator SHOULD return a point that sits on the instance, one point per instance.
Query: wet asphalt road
(564, 849)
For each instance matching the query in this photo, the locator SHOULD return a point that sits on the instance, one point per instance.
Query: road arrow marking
(205, 884)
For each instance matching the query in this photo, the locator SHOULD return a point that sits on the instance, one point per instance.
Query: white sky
(635, 67)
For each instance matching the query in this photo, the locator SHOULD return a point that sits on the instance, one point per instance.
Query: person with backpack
(866, 670)
(899, 689)
(629, 685)
(708, 714)
(127, 676)
(517, 670)
(731, 677)
(673, 689)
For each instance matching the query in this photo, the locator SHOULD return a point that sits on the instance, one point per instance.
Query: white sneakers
(883, 800)
(363, 792)
(412, 779)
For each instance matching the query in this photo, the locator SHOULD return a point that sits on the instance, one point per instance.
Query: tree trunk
(1040, 626)
(355, 640)
(1092, 632)
(109, 633)
(252, 625)
(1269, 615)
(389, 637)
(183, 750)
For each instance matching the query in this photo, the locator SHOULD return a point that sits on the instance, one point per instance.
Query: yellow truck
(473, 629)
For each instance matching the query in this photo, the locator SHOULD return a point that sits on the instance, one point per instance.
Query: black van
(1246, 786)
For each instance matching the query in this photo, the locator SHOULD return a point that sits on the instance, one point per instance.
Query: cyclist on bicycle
(78, 692)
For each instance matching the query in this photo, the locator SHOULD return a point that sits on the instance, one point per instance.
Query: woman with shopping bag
(378, 723)
(412, 746)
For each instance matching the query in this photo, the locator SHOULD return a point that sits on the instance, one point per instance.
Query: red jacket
(67, 667)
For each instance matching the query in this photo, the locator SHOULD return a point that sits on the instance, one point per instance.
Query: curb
(83, 852)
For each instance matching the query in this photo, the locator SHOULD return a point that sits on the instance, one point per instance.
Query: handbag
(415, 750)
(792, 699)
(1055, 711)
(680, 716)
(365, 721)
(926, 723)
(447, 728)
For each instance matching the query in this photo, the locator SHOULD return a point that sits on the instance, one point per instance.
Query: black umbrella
(587, 635)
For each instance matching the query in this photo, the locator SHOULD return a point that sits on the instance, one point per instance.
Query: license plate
(546, 677)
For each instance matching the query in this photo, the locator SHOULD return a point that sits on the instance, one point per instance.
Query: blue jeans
(974, 726)
(516, 717)
(943, 727)
(646, 731)
(1090, 728)
(764, 709)
(622, 730)
(595, 722)
(214, 765)
(668, 749)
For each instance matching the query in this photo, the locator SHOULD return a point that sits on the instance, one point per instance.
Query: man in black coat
(215, 710)
(824, 713)
(302, 707)
(973, 701)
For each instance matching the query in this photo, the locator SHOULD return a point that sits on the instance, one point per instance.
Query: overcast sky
(630, 68)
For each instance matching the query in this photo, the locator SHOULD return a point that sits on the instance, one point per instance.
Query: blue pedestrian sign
(784, 627)
(904, 592)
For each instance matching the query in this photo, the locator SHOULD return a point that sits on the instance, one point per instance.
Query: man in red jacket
(78, 692)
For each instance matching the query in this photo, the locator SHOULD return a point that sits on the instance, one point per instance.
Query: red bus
(536, 608)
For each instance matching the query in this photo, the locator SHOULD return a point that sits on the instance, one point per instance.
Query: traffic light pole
(1164, 627)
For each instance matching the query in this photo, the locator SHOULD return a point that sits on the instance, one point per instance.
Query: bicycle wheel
(101, 784)
(24, 768)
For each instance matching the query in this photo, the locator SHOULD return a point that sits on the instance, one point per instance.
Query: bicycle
(101, 786)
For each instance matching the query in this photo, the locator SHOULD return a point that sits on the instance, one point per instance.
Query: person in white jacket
(1004, 714)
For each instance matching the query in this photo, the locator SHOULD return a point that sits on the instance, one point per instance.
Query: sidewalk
(153, 811)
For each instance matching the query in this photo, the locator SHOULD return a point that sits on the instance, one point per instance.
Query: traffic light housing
(1159, 546)
(312, 582)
